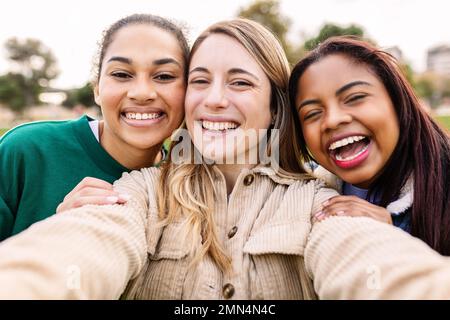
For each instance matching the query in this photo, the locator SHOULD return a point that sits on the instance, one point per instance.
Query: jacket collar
(396, 207)
(280, 176)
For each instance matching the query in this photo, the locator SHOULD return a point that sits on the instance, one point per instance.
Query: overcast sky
(73, 28)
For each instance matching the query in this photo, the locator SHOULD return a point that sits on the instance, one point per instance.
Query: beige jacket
(104, 252)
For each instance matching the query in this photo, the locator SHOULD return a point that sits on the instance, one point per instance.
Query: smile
(142, 119)
(218, 126)
(142, 116)
(350, 151)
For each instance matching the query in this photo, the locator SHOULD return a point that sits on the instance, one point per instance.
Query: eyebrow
(162, 61)
(231, 71)
(157, 62)
(120, 59)
(350, 85)
(199, 69)
(338, 92)
(239, 70)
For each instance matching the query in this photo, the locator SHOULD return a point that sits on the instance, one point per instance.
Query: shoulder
(34, 132)
(140, 181)
(281, 177)
(144, 175)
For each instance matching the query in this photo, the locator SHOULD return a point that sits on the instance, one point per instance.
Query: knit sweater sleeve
(86, 253)
(360, 258)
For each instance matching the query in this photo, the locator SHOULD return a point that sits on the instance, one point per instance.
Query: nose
(216, 96)
(142, 90)
(335, 117)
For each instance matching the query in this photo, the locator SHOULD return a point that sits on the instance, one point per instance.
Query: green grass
(445, 121)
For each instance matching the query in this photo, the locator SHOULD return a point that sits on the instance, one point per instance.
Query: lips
(350, 150)
(143, 115)
(218, 125)
(142, 118)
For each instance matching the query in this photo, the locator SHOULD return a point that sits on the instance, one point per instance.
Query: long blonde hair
(188, 190)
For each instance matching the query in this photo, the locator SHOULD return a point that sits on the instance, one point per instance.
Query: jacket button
(248, 180)
(232, 232)
(228, 291)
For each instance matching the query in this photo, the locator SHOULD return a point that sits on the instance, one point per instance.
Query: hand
(91, 191)
(352, 206)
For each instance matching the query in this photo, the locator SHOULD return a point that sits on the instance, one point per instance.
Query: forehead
(222, 51)
(143, 41)
(334, 71)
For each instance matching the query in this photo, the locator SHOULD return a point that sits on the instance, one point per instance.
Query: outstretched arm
(360, 258)
(85, 253)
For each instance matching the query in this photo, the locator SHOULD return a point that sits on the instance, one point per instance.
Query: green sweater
(40, 163)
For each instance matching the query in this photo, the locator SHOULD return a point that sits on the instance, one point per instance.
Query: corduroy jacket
(107, 252)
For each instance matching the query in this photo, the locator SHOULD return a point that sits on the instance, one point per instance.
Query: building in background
(396, 52)
(438, 60)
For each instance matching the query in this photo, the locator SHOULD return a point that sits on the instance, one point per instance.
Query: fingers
(92, 183)
(77, 201)
(92, 191)
(345, 199)
(353, 207)
(344, 208)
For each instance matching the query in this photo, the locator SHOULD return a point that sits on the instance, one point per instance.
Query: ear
(96, 95)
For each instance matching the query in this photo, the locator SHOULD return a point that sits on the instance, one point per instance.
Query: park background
(47, 47)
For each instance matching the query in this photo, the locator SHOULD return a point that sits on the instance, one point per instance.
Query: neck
(231, 173)
(128, 156)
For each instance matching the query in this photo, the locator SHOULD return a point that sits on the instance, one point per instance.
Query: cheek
(312, 139)
(192, 102)
(255, 110)
(175, 96)
(110, 96)
(387, 129)
(391, 136)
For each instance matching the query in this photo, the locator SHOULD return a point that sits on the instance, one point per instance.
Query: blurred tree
(35, 62)
(83, 96)
(432, 87)
(267, 12)
(446, 88)
(424, 88)
(330, 30)
(408, 72)
(11, 91)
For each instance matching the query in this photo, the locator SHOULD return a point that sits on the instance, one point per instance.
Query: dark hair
(136, 19)
(423, 149)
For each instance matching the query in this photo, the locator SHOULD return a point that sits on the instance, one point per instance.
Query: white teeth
(141, 116)
(344, 142)
(218, 126)
(338, 156)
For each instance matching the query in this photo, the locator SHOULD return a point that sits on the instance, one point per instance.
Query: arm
(11, 162)
(85, 253)
(359, 258)
(6, 217)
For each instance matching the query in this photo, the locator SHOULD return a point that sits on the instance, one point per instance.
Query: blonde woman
(214, 229)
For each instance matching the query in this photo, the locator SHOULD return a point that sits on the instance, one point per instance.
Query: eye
(121, 75)
(198, 81)
(311, 114)
(241, 83)
(355, 98)
(164, 77)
